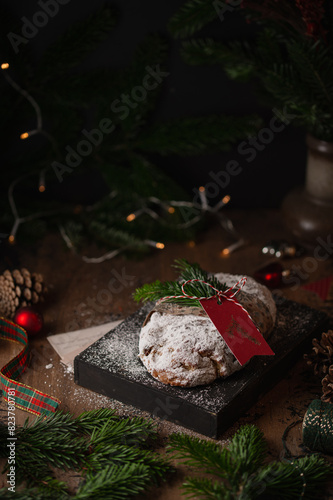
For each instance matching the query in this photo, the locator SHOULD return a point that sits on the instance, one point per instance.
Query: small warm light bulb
(191, 244)
(4, 66)
(130, 217)
(225, 252)
(226, 199)
(41, 186)
(202, 189)
(78, 209)
(171, 210)
(11, 239)
(160, 246)
(25, 135)
(231, 248)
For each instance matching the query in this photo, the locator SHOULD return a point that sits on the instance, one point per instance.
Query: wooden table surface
(75, 301)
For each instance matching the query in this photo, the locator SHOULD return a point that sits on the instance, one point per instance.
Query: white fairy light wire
(203, 207)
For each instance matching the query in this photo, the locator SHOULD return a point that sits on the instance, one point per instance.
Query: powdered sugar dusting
(198, 358)
(185, 350)
(125, 345)
(115, 357)
(188, 350)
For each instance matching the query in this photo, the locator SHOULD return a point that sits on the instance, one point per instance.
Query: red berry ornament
(29, 319)
(272, 275)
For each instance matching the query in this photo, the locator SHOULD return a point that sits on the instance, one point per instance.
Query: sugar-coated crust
(187, 350)
(184, 350)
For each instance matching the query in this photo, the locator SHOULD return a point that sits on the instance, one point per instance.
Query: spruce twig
(92, 420)
(76, 43)
(109, 453)
(158, 290)
(193, 136)
(290, 56)
(31, 494)
(239, 470)
(201, 455)
(115, 483)
(121, 155)
(191, 17)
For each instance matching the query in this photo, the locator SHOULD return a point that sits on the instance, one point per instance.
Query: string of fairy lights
(199, 208)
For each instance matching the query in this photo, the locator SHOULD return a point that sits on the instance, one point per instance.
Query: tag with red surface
(232, 321)
(236, 327)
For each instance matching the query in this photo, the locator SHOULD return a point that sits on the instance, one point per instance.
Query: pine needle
(115, 483)
(239, 471)
(76, 43)
(248, 450)
(108, 451)
(158, 290)
(293, 70)
(93, 420)
(200, 454)
(193, 136)
(191, 17)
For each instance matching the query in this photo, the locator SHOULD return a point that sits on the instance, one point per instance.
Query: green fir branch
(158, 290)
(149, 180)
(109, 452)
(193, 136)
(32, 494)
(203, 488)
(93, 420)
(114, 237)
(236, 58)
(37, 441)
(120, 454)
(131, 432)
(66, 96)
(149, 58)
(115, 483)
(290, 67)
(314, 65)
(195, 272)
(191, 17)
(77, 42)
(202, 455)
(247, 451)
(283, 479)
(239, 470)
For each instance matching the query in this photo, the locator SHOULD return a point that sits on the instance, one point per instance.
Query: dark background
(189, 91)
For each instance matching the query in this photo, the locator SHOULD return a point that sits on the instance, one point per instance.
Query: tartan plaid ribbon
(26, 397)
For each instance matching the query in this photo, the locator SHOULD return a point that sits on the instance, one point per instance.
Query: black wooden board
(111, 367)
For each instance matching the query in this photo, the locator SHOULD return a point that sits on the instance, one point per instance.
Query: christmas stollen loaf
(180, 346)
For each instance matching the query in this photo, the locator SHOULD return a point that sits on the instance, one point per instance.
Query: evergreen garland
(240, 472)
(159, 290)
(122, 161)
(290, 58)
(191, 17)
(113, 458)
(109, 453)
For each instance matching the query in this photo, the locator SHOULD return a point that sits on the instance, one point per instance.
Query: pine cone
(327, 384)
(321, 357)
(19, 288)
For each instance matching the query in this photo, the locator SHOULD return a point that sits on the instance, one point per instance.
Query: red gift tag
(237, 329)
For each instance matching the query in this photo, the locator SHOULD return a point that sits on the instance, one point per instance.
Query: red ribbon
(15, 393)
(222, 295)
(245, 344)
(219, 293)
